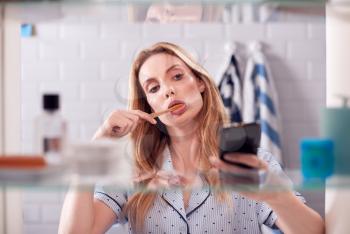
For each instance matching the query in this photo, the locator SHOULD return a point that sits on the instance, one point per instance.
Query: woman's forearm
(77, 214)
(295, 217)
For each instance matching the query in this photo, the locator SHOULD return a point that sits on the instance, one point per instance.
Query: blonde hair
(149, 141)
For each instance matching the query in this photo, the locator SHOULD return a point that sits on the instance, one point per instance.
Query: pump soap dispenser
(50, 129)
(335, 124)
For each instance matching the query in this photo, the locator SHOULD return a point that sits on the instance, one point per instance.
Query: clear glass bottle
(51, 130)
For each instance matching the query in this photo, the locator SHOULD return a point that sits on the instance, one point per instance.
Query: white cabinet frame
(11, 217)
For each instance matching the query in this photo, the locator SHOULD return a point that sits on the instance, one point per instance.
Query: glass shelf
(282, 2)
(61, 177)
(171, 11)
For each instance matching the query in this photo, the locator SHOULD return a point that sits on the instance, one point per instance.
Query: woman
(180, 148)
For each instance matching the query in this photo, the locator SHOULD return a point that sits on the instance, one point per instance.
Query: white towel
(230, 88)
(260, 102)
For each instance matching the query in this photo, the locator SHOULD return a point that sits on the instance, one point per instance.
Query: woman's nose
(169, 93)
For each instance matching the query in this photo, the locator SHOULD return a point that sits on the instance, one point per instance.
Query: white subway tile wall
(86, 58)
(287, 31)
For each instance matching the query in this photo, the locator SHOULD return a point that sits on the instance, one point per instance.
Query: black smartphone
(244, 138)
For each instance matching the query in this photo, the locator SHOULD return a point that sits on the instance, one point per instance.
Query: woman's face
(166, 81)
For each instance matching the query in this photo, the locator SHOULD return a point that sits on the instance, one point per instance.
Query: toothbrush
(175, 107)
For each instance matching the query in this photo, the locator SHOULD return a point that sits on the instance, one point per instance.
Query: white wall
(87, 59)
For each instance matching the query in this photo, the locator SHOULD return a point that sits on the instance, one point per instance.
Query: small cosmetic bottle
(317, 158)
(50, 130)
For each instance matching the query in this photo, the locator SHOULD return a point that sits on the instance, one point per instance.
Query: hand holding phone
(242, 138)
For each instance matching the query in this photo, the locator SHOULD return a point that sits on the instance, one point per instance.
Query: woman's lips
(180, 110)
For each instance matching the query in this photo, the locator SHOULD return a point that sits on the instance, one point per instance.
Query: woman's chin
(180, 120)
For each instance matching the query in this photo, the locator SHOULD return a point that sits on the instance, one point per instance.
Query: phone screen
(244, 139)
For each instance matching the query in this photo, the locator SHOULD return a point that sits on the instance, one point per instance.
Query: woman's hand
(265, 195)
(239, 158)
(121, 122)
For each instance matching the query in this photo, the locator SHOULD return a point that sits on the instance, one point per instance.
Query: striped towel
(261, 103)
(230, 88)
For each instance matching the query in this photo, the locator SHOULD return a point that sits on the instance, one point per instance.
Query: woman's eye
(153, 89)
(178, 76)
